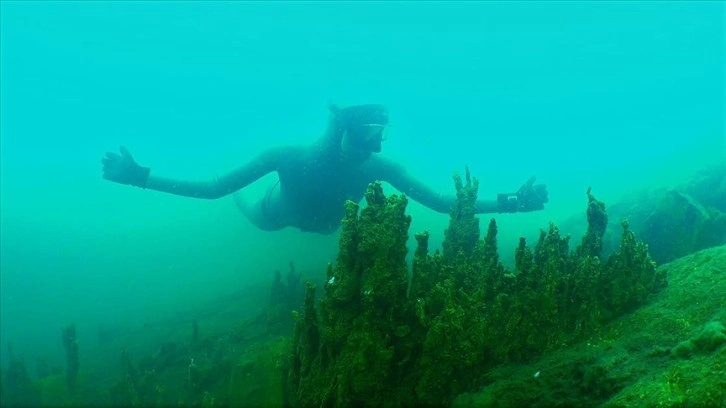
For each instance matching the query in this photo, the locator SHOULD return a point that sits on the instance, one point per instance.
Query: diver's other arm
(123, 169)
(529, 197)
(397, 175)
(403, 181)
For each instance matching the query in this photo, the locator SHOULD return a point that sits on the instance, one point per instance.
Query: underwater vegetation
(377, 339)
(17, 387)
(565, 327)
(669, 353)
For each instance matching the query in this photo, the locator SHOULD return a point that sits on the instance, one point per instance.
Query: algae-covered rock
(674, 220)
(257, 379)
(669, 353)
(680, 224)
(353, 345)
(709, 339)
(375, 340)
(16, 387)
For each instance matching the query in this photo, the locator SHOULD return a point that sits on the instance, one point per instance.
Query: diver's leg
(243, 204)
(262, 212)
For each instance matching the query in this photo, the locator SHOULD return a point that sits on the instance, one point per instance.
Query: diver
(314, 181)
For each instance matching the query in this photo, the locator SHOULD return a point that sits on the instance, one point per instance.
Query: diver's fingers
(125, 152)
(110, 156)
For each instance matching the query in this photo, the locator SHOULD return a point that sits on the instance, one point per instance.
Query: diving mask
(367, 137)
(373, 131)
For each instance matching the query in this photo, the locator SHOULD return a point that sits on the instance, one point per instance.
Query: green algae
(375, 340)
(635, 360)
(563, 328)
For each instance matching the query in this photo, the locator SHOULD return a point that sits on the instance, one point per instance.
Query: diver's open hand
(123, 169)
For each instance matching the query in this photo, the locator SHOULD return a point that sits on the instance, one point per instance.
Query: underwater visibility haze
(617, 107)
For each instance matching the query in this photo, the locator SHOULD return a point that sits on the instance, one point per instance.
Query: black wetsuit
(314, 183)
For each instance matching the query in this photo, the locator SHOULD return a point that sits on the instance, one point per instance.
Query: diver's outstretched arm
(401, 179)
(124, 169)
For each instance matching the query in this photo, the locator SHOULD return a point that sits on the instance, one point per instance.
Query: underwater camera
(529, 197)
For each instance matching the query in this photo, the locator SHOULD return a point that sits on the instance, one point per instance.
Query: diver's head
(363, 127)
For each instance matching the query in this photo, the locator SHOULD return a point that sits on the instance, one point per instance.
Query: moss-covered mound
(377, 338)
(670, 353)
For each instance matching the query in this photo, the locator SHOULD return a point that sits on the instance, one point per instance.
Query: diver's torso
(313, 189)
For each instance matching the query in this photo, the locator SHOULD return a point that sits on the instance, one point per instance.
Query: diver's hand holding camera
(529, 197)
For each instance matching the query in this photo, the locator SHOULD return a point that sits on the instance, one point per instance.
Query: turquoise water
(615, 96)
